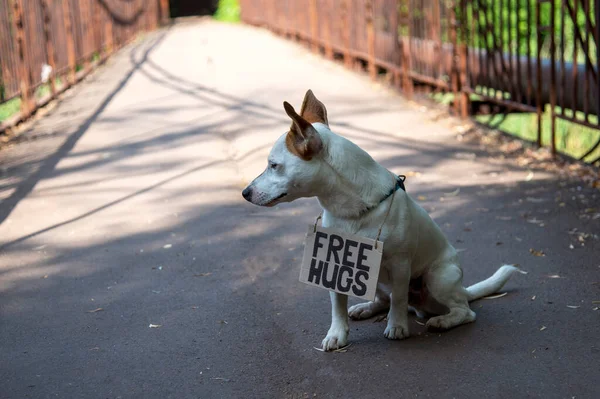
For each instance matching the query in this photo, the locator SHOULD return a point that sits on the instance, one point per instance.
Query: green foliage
(512, 24)
(9, 108)
(571, 138)
(228, 11)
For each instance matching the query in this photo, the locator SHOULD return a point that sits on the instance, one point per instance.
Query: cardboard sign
(341, 262)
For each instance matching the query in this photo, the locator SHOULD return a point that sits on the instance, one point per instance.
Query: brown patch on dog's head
(302, 140)
(313, 110)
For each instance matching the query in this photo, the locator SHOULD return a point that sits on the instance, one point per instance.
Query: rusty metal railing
(52, 44)
(522, 55)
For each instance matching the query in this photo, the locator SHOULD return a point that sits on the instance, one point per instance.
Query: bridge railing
(48, 45)
(516, 55)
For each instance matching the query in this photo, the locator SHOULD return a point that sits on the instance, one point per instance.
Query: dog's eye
(273, 165)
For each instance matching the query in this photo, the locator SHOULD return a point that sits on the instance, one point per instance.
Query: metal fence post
(553, 78)
(369, 16)
(85, 38)
(327, 36)
(407, 83)
(27, 105)
(312, 9)
(454, 78)
(397, 50)
(458, 30)
(97, 18)
(69, 40)
(538, 98)
(49, 44)
(108, 33)
(346, 17)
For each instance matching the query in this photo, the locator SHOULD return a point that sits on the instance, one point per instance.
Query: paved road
(129, 201)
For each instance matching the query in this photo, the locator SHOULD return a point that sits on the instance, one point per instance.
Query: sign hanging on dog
(341, 262)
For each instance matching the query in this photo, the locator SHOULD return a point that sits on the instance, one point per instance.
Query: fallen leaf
(543, 328)
(202, 274)
(95, 310)
(338, 350)
(495, 296)
(155, 325)
(467, 229)
(529, 176)
(465, 155)
(535, 200)
(535, 221)
(453, 193)
(573, 306)
(421, 198)
(412, 173)
(536, 252)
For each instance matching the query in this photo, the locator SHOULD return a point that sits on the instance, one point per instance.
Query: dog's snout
(247, 193)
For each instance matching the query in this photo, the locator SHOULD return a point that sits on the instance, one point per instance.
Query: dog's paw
(361, 311)
(396, 332)
(336, 338)
(417, 312)
(439, 323)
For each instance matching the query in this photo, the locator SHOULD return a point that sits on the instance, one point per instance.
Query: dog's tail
(492, 284)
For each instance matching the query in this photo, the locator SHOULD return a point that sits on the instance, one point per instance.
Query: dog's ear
(303, 140)
(313, 110)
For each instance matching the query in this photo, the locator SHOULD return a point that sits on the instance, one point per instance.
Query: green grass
(571, 138)
(228, 11)
(9, 108)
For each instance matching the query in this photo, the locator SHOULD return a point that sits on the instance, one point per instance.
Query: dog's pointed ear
(313, 110)
(303, 140)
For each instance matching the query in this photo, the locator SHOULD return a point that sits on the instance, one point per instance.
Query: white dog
(419, 266)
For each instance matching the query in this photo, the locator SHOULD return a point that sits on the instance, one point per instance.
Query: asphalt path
(131, 266)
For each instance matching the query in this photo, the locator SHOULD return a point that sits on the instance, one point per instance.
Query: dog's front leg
(337, 336)
(397, 325)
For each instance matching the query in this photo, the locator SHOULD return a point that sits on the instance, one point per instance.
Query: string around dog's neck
(399, 185)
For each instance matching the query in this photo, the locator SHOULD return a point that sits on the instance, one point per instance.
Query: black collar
(399, 184)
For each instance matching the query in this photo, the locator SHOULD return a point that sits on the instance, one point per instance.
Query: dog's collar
(399, 184)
